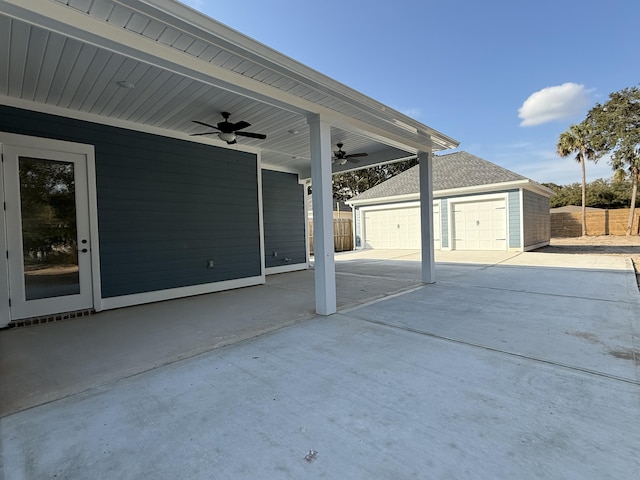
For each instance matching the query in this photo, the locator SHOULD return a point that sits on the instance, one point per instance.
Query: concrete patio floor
(519, 366)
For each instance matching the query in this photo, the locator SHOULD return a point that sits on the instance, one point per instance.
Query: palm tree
(577, 139)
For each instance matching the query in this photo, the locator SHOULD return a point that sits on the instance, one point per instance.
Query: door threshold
(27, 322)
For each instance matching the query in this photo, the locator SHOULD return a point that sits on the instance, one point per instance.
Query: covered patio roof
(71, 57)
(156, 66)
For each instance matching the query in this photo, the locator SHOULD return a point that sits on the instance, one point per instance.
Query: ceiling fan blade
(203, 133)
(251, 135)
(240, 125)
(353, 160)
(354, 155)
(205, 124)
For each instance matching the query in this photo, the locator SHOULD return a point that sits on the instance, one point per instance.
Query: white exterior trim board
(452, 192)
(180, 292)
(294, 267)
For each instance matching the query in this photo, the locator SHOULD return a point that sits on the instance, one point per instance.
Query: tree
(601, 193)
(616, 130)
(349, 184)
(578, 140)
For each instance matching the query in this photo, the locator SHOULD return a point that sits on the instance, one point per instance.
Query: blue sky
(503, 77)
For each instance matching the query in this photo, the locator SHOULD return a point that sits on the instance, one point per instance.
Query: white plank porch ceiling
(46, 68)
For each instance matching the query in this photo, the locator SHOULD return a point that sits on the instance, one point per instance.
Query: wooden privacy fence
(599, 222)
(342, 235)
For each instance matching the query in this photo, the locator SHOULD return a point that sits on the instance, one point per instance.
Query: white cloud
(554, 103)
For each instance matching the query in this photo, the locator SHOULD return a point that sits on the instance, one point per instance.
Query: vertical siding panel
(515, 216)
(444, 222)
(284, 216)
(357, 228)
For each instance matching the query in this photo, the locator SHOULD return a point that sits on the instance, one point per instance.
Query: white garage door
(480, 225)
(397, 228)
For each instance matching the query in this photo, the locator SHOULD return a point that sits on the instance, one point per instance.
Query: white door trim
(54, 146)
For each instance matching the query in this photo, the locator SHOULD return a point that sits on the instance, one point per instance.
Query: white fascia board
(537, 188)
(379, 200)
(516, 184)
(455, 192)
(76, 24)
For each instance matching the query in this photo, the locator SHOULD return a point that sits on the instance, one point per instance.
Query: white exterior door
(480, 225)
(47, 226)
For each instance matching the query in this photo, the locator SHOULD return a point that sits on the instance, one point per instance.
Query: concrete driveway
(524, 367)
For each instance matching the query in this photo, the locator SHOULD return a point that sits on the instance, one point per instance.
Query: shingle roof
(453, 170)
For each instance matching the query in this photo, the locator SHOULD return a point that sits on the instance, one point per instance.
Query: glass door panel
(49, 231)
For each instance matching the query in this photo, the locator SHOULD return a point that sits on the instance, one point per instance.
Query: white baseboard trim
(181, 292)
(286, 268)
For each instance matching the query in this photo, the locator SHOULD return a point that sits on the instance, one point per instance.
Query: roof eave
(422, 137)
(525, 184)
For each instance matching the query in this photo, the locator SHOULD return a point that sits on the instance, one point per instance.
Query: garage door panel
(397, 228)
(480, 225)
(392, 228)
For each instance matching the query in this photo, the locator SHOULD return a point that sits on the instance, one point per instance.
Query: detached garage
(477, 205)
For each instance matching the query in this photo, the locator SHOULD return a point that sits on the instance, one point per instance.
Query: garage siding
(444, 222)
(357, 226)
(537, 225)
(283, 207)
(514, 219)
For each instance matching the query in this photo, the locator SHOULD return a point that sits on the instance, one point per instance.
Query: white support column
(426, 217)
(322, 195)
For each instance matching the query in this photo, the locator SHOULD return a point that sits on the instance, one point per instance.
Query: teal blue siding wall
(283, 217)
(514, 219)
(165, 206)
(444, 222)
(357, 227)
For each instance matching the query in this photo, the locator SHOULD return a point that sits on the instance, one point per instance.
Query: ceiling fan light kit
(227, 137)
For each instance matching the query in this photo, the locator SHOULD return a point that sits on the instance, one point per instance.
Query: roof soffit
(276, 79)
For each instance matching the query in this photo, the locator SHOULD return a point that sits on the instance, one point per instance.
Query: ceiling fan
(228, 131)
(341, 157)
